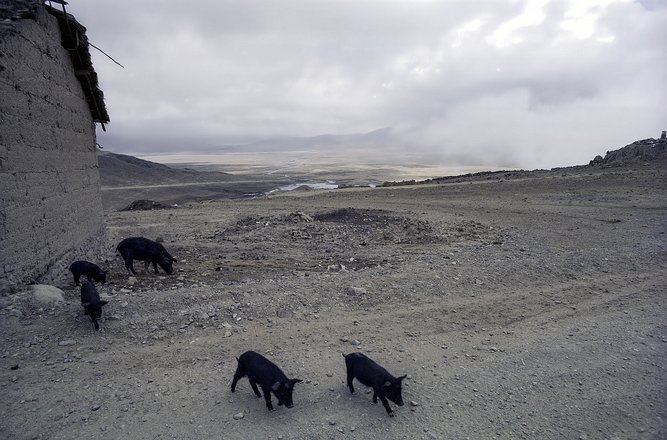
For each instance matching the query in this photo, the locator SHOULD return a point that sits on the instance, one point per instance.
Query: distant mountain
(357, 141)
(121, 170)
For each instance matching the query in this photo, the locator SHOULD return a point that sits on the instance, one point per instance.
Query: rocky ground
(525, 308)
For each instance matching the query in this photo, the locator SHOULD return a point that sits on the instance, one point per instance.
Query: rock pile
(644, 150)
(145, 205)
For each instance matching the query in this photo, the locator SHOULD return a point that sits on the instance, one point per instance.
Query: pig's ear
(400, 379)
(85, 304)
(294, 381)
(103, 302)
(275, 386)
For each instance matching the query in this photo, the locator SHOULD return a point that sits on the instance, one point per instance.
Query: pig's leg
(350, 378)
(254, 388)
(386, 405)
(267, 397)
(238, 375)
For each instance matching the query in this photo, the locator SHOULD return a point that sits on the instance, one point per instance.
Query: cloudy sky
(528, 83)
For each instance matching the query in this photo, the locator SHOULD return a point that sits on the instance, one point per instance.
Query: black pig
(90, 270)
(140, 248)
(369, 373)
(90, 300)
(262, 371)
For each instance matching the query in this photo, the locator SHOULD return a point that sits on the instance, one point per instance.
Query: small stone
(95, 407)
(284, 313)
(239, 416)
(413, 403)
(356, 291)
(228, 334)
(355, 342)
(132, 280)
(66, 342)
(344, 339)
(332, 422)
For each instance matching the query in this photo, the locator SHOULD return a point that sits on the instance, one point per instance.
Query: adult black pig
(143, 249)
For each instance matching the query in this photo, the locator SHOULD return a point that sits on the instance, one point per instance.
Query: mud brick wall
(50, 198)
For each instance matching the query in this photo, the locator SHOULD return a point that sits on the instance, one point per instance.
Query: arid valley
(520, 305)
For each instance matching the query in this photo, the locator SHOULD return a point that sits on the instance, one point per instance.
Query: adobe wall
(50, 198)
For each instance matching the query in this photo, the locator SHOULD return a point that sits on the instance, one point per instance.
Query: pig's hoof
(391, 414)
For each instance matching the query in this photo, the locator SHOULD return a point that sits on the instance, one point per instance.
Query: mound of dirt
(145, 205)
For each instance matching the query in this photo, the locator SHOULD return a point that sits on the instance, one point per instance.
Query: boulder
(45, 295)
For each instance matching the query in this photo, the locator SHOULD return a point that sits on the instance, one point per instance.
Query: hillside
(122, 170)
(126, 179)
(639, 151)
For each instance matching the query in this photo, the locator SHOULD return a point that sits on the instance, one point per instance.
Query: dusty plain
(524, 308)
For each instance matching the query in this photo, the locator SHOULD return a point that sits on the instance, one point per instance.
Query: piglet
(90, 270)
(270, 378)
(369, 373)
(90, 300)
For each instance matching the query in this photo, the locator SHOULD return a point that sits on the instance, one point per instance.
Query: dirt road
(520, 309)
